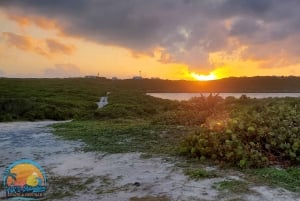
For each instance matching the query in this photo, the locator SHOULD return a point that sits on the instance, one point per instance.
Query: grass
(121, 136)
(200, 173)
(233, 186)
(66, 186)
(285, 178)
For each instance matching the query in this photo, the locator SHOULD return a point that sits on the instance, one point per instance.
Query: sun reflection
(210, 76)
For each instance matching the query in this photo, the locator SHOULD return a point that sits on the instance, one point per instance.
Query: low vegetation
(66, 186)
(189, 113)
(121, 136)
(134, 104)
(57, 99)
(286, 178)
(244, 133)
(150, 198)
(249, 133)
(233, 186)
(200, 173)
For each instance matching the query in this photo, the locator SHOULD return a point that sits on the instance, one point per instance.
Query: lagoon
(187, 96)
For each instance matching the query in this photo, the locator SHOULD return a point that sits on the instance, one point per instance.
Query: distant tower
(98, 74)
(140, 73)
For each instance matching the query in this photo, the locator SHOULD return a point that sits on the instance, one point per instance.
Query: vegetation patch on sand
(121, 136)
(150, 198)
(200, 173)
(233, 186)
(286, 178)
(67, 186)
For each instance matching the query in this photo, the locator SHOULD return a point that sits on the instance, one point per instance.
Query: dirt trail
(117, 177)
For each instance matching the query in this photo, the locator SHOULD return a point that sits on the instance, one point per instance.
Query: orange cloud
(55, 46)
(19, 41)
(39, 21)
(48, 47)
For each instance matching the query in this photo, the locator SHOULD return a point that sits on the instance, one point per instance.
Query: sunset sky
(170, 39)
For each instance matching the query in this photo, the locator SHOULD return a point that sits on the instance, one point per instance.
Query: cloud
(62, 70)
(47, 47)
(18, 41)
(55, 46)
(31, 19)
(187, 31)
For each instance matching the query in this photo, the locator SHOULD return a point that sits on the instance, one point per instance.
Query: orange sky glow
(36, 46)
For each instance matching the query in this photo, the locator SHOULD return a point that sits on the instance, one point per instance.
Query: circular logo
(25, 179)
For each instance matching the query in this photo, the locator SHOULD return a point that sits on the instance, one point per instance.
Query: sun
(210, 76)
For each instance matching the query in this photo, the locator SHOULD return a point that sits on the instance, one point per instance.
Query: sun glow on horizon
(201, 77)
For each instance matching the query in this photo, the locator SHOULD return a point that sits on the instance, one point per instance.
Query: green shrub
(253, 135)
(123, 104)
(190, 113)
(181, 117)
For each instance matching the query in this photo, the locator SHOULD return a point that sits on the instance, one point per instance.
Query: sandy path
(102, 102)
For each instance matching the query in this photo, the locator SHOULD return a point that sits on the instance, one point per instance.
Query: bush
(190, 113)
(134, 104)
(181, 117)
(252, 135)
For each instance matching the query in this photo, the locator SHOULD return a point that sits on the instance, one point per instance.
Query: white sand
(102, 102)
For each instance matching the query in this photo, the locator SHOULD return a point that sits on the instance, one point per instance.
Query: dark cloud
(246, 27)
(248, 7)
(186, 30)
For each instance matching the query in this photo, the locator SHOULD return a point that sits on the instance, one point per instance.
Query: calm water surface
(187, 96)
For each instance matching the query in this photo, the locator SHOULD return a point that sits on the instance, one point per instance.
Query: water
(187, 96)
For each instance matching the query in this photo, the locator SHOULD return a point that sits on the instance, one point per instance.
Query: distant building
(137, 78)
(114, 78)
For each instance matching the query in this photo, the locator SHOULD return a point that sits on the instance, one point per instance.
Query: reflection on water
(187, 96)
(31, 140)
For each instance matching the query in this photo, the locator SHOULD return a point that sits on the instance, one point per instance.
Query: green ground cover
(57, 99)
